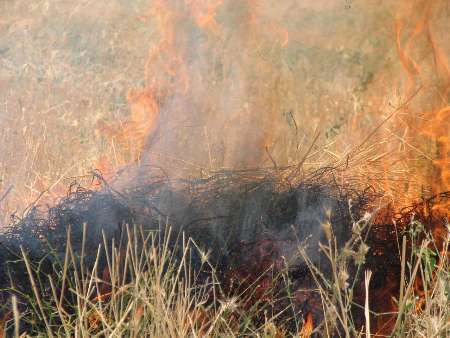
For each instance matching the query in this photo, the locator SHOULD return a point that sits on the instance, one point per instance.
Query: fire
(214, 90)
(164, 75)
(203, 71)
(430, 121)
(257, 83)
(308, 327)
(224, 73)
(205, 14)
(134, 132)
(406, 154)
(438, 129)
(219, 90)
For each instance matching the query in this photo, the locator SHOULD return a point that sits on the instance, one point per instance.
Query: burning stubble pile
(252, 236)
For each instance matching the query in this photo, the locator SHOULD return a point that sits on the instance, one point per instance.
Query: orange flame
(164, 75)
(308, 327)
(205, 14)
(410, 155)
(432, 124)
(228, 68)
(167, 78)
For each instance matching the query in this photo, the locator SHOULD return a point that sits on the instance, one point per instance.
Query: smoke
(251, 84)
(222, 84)
(241, 82)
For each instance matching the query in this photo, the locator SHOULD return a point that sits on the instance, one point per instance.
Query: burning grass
(226, 85)
(249, 253)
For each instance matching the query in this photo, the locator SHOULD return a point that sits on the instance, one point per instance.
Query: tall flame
(426, 65)
(253, 83)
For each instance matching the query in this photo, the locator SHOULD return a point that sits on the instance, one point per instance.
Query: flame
(181, 81)
(220, 83)
(407, 153)
(205, 14)
(164, 75)
(308, 327)
(431, 125)
(410, 66)
(223, 71)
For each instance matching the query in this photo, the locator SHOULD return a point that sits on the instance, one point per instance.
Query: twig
(6, 193)
(271, 158)
(36, 292)
(49, 189)
(401, 306)
(291, 115)
(16, 315)
(300, 164)
(368, 276)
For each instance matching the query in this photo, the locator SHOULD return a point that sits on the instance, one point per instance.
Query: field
(110, 95)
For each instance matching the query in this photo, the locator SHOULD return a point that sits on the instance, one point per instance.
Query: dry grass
(148, 291)
(148, 288)
(337, 290)
(63, 66)
(423, 304)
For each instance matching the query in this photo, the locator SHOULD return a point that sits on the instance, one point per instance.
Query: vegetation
(67, 73)
(148, 288)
